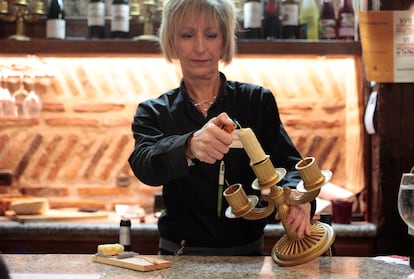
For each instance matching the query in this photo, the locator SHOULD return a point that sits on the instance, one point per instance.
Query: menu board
(387, 39)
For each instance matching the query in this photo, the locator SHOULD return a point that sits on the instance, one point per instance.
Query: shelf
(82, 47)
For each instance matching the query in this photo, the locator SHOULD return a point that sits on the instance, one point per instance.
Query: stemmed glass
(29, 104)
(7, 103)
(406, 204)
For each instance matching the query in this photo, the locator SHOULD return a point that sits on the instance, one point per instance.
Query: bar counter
(82, 237)
(210, 267)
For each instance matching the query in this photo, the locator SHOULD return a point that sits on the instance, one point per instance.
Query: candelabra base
(151, 38)
(19, 37)
(288, 252)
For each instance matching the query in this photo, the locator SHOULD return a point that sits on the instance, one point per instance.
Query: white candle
(251, 145)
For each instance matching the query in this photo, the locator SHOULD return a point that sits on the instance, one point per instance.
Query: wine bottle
(345, 28)
(55, 23)
(120, 19)
(272, 26)
(309, 18)
(96, 19)
(252, 19)
(327, 21)
(290, 19)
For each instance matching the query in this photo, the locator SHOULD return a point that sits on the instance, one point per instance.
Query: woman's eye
(212, 35)
(186, 35)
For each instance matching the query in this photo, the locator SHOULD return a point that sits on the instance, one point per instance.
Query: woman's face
(198, 45)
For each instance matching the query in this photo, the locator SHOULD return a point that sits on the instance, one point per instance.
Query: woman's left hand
(298, 219)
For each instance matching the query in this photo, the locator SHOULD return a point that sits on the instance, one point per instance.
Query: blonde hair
(176, 11)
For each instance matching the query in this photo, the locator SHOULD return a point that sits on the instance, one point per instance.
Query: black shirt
(161, 128)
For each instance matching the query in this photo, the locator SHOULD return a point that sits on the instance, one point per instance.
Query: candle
(251, 145)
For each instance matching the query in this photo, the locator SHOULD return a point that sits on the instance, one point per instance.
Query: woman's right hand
(211, 142)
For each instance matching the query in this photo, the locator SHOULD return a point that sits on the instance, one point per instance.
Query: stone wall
(76, 152)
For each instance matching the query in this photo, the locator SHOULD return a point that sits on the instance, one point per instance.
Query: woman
(179, 140)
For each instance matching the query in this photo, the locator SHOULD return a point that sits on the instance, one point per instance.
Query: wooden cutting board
(137, 262)
(57, 215)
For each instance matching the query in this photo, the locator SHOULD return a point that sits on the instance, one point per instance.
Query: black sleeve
(158, 154)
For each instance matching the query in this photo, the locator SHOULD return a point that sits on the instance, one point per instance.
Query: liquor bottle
(272, 26)
(55, 24)
(125, 234)
(290, 19)
(252, 19)
(96, 19)
(327, 21)
(120, 19)
(345, 26)
(309, 18)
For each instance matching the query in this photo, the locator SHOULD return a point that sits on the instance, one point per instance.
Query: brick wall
(77, 150)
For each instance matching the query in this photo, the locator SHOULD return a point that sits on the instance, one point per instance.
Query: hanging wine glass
(32, 105)
(7, 103)
(19, 95)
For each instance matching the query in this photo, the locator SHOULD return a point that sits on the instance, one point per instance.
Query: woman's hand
(298, 219)
(211, 142)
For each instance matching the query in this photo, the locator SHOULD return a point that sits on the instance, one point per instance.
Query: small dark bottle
(272, 26)
(120, 19)
(55, 24)
(345, 28)
(125, 234)
(327, 21)
(96, 19)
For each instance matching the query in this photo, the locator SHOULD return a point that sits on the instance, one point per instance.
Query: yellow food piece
(30, 206)
(110, 249)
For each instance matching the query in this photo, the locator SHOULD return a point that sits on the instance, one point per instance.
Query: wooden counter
(357, 239)
(209, 267)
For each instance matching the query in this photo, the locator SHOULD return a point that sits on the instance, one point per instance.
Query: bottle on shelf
(252, 19)
(345, 25)
(120, 19)
(55, 23)
(272, 25)
(327, 21)
(96, 19)
(290, 19)
(309, 19)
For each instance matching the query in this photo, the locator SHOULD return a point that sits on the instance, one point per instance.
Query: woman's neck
(202, 89)
(203, 92)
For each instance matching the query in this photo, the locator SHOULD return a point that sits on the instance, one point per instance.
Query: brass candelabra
(290, 249)
(147, 12)
(21, 13)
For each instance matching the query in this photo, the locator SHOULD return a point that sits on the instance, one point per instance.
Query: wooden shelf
(80, 47)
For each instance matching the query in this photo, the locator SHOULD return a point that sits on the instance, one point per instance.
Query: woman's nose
(199, 44)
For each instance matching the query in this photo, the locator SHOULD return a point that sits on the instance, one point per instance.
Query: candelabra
(147, 12)
(21, 14)
(290, 249)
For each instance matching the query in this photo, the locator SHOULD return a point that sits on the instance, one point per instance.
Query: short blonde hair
(176, 11)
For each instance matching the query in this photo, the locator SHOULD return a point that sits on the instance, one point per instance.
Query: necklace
(204, 102)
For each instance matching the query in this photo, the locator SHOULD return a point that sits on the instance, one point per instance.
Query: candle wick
(237, 123)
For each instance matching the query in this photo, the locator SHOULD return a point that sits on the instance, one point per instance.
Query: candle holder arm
(301, 198)
(261, 212)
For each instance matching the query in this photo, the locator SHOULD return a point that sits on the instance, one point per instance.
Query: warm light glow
(321, 91)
